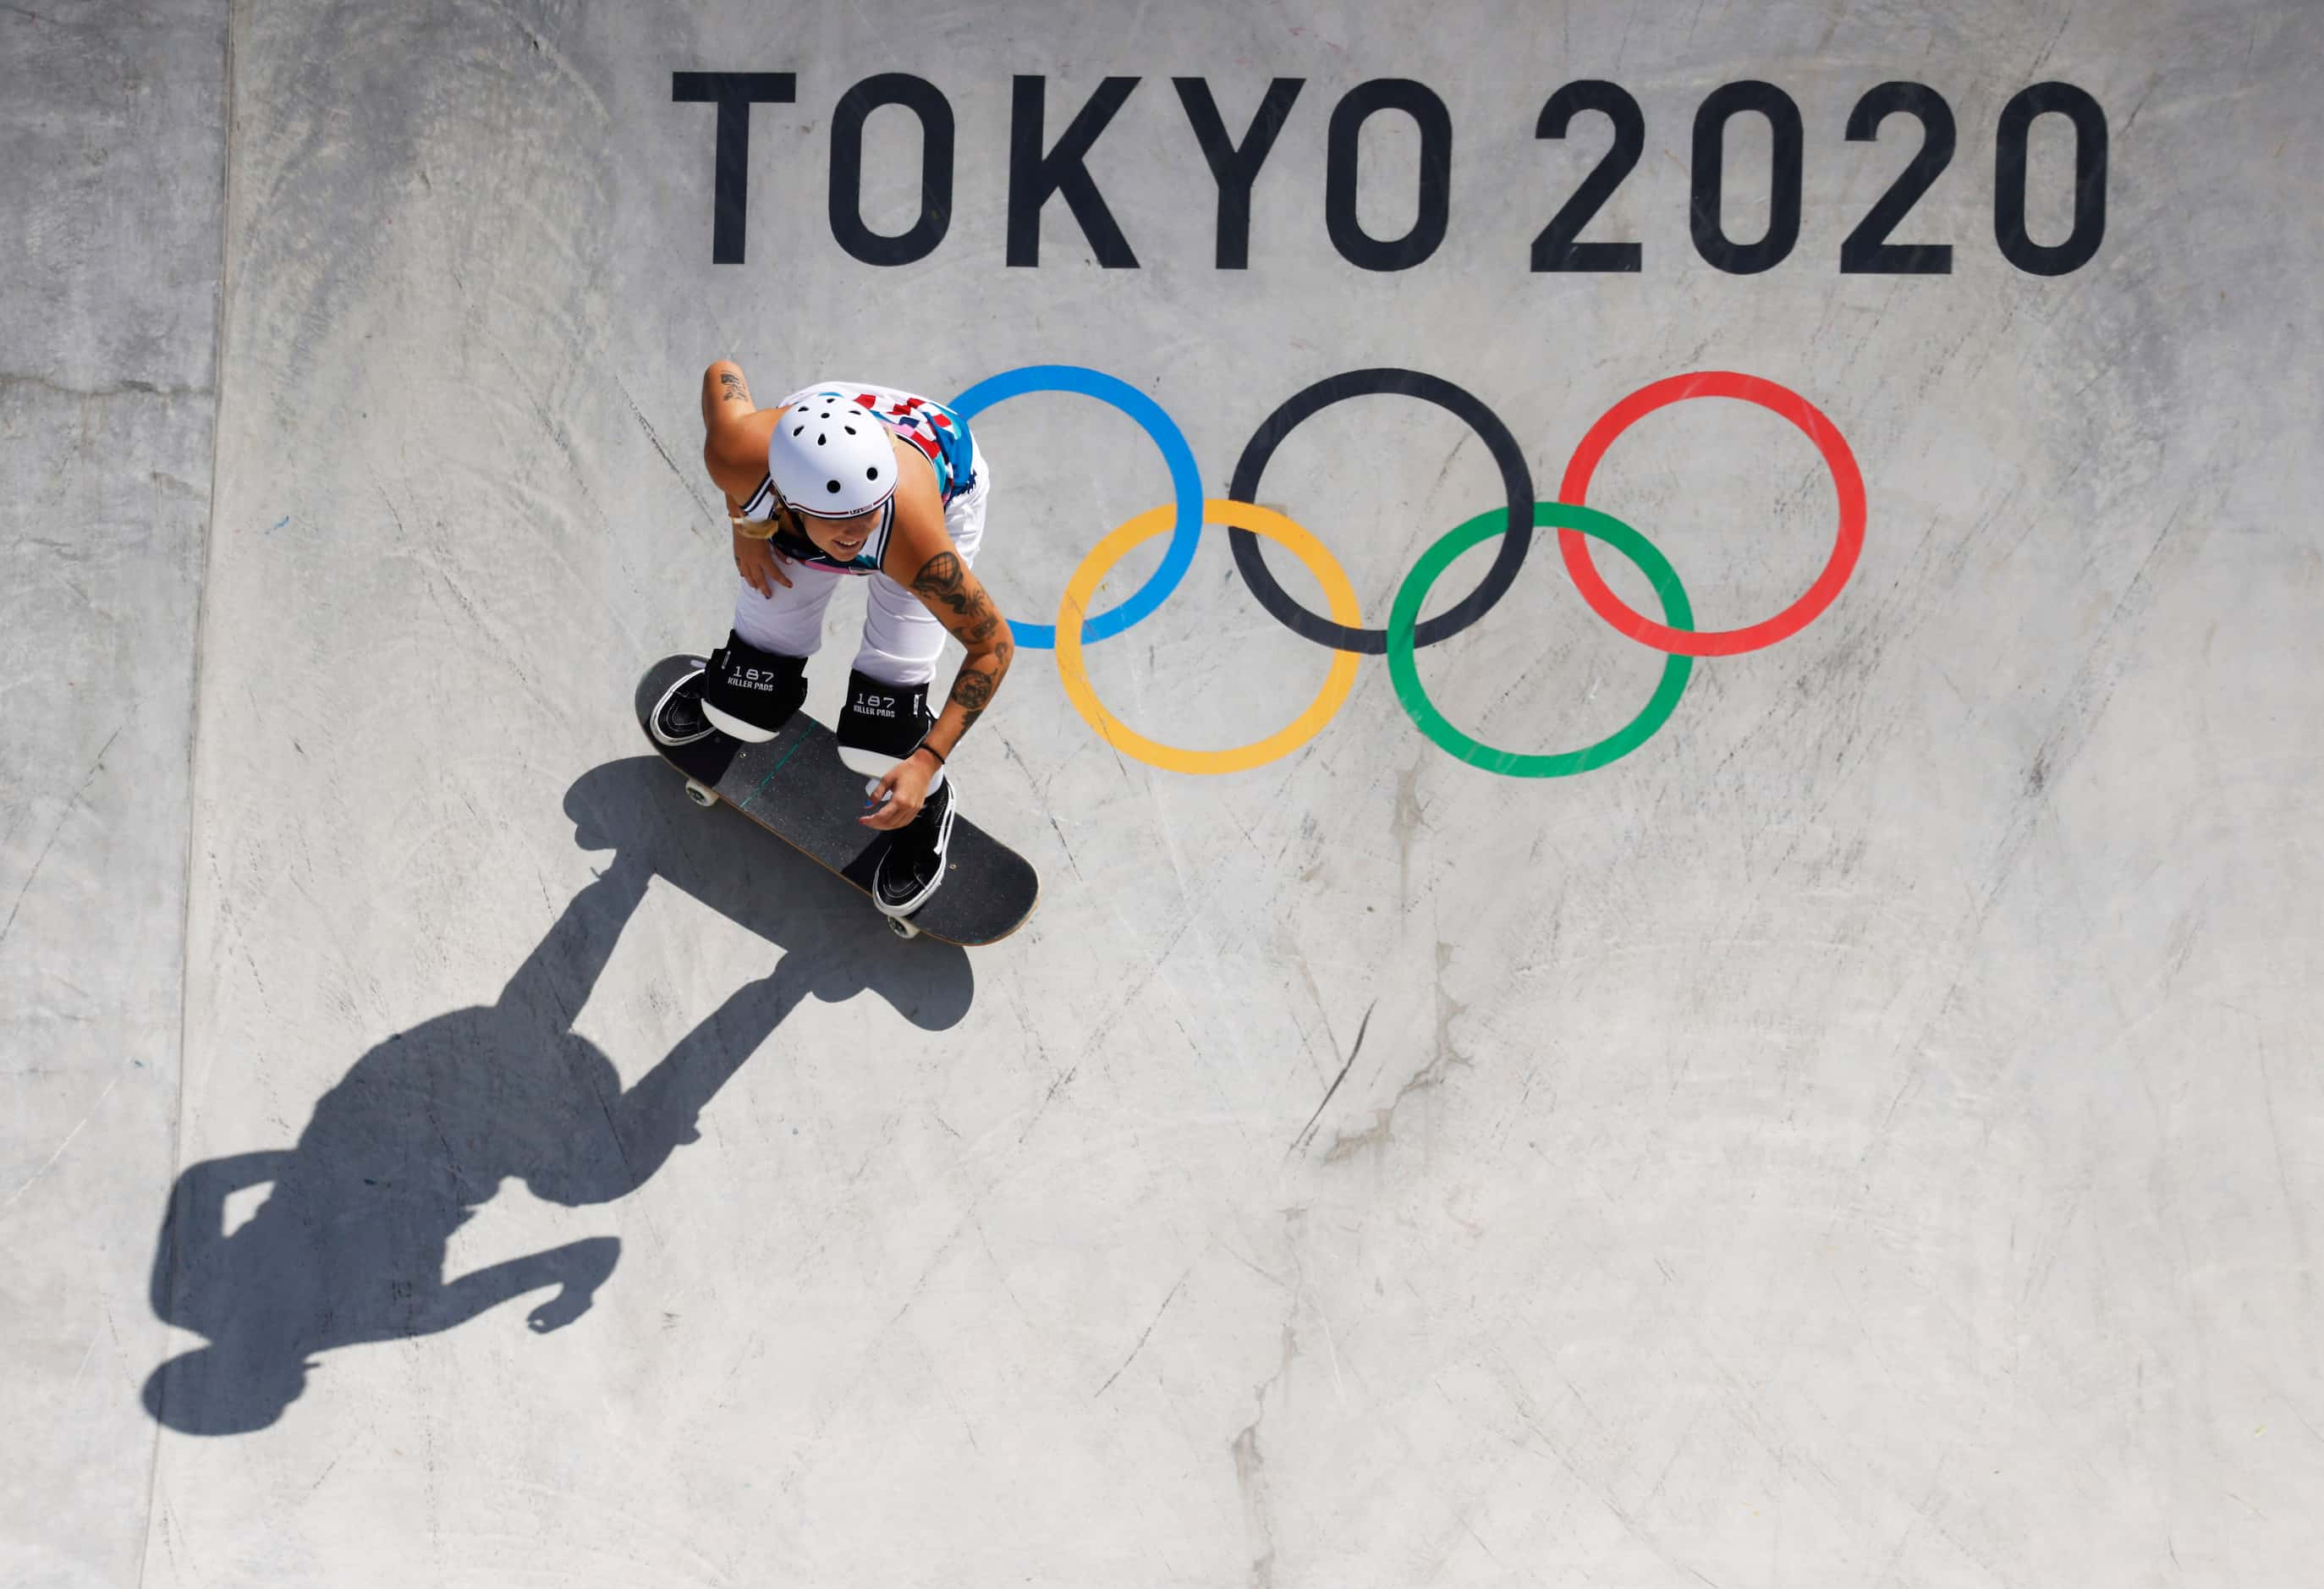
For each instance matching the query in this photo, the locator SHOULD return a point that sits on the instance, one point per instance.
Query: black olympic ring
(1516, 480)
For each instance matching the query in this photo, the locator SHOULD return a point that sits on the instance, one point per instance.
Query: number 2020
(1865, 250)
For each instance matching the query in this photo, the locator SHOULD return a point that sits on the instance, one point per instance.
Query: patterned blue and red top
(941, 435)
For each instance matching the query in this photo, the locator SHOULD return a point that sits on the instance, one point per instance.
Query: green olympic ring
(1404, 617)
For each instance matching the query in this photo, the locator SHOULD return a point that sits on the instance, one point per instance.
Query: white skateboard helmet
(830, 459)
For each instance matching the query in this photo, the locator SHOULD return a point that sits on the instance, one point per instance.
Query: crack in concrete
(1307, 1132)
(119, 389)
(1143, 1334)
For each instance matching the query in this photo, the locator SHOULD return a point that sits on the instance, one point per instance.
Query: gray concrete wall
(112, 161)
(1867, 1135)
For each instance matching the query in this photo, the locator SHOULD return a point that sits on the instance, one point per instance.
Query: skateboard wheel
(902, 928)
(701, 793)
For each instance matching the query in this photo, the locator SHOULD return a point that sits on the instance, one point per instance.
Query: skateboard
(796, 787)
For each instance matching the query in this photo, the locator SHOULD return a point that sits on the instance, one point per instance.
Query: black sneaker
(913, 867)
(677, 717)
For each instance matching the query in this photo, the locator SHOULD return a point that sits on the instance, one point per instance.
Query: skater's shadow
(349, 1243)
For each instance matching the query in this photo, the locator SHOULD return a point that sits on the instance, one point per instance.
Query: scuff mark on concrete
(1143, 1334)
(68, 1142)
(1250, 1474)
(1307, 1132)
(94, 768)
(1431, 1074)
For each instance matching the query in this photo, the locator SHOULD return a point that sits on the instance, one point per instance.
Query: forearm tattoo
(732, 387)
(979, 677)
(943, 583)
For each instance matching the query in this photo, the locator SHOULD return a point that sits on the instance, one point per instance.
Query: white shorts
(901, 638)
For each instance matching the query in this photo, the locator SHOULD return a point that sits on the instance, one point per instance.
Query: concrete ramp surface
(1665, 689)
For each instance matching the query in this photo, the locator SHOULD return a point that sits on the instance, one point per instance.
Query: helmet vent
(832, 486)
(871, 473)
(820, 438)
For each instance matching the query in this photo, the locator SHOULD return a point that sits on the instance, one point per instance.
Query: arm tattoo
(732, 388)
(973, 689)
(962, 692)
(943, 579)
(943, 583)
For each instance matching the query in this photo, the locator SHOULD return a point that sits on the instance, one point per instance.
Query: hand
(900, 792)
(559, 1311)
(584, 1264)
(758, 562)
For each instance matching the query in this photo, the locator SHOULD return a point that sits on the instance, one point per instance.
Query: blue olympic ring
(1186, 480)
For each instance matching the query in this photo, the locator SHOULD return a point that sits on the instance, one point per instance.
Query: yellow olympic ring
(1073, 612)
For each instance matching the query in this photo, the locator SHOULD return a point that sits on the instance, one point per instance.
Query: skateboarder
(840, 479)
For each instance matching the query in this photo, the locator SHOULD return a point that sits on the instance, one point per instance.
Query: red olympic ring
(1574, 546)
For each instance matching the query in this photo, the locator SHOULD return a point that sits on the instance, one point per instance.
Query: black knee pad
(881, 722)
(750, 693)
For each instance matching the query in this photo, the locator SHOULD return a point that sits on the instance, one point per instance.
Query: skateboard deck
(796, 787)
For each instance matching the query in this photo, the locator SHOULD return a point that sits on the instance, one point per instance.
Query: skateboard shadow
(348, 1244)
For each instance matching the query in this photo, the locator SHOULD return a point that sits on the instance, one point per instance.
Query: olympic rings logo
(1576, 523)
